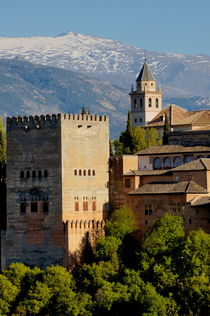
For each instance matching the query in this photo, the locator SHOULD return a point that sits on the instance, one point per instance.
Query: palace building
(57, 186)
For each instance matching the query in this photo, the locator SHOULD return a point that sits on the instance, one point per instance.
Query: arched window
(27, 174)
(135, 120)
(89, 172)
(166, 163)
(39, 174)
(75, 172)
(34, 174)
(140, 120)
(177, 161)
(45, 173)
(84, 172)
(93, 173)
(150, 102)
(187, 159)
(80, 172)
(157, 163)
(156, 102)
(22, 174)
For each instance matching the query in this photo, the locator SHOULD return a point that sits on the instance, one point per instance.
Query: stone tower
(146, 100)
(57, 189)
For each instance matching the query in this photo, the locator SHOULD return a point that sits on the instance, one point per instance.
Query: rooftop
(187, 187)
(172, 149)
(145, 74)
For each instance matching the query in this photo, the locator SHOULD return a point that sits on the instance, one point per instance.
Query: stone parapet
(49, 121)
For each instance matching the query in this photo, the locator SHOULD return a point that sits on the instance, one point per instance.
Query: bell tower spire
(146, 100)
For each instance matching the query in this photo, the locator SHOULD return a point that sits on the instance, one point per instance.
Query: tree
(153, 138)
(83, 111)
(126, 137)
(8, 294)
(139, 139)
(121, 223)
(166, 130)
(106, 247)
(2, 143)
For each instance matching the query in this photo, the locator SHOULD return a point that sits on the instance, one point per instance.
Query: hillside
(180, 75)
(27, 88)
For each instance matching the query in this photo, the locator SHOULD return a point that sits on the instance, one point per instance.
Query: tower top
(145, 74)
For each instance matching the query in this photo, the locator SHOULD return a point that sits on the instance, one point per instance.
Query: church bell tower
(146, 100)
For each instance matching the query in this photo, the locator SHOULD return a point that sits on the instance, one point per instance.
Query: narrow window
(94, 206)
(141, 103)
(34, 207)
(135, 103)
(39, 174)
(22, 207)
(76, 206)
(27, 174)
(135, 120)
(22, 174)
(190, 221)
(80, 172)
(45, 173)
(150, 102)
(89, 172)
(75, 172)
(84, 172)
(45, 207)
(33, 174)
(157, 102)
(127, 183)
(140, 120)
(93, 173)
(85, 206)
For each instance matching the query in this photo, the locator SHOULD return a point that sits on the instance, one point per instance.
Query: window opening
(34, 207)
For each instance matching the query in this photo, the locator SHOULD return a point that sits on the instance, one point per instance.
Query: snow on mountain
(113, 61)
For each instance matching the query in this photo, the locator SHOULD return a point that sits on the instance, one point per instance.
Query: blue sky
(179, 26)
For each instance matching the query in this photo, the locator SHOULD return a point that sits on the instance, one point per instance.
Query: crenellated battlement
(52, 121)
(84, 117)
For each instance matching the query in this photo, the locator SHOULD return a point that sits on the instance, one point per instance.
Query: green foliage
(83, 111)
(139, 139)
(167, 276)
(106, 247)
(121, 223)
(2, 142)
(8, 293)
(134, 139)
(153, 138)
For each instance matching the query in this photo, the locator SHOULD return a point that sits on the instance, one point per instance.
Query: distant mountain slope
(27, 88)
(180, 75)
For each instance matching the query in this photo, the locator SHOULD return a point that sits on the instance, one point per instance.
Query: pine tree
(83, 111)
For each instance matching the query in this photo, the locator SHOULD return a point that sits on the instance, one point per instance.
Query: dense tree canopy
(165, 274)
(136, 138)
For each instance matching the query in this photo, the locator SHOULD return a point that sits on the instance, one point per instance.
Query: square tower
(57, 185)
(146, 100)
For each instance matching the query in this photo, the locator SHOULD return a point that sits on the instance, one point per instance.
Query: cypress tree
(2, 143)
(83, 111)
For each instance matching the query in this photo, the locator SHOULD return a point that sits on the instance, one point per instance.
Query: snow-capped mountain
(179, 75)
